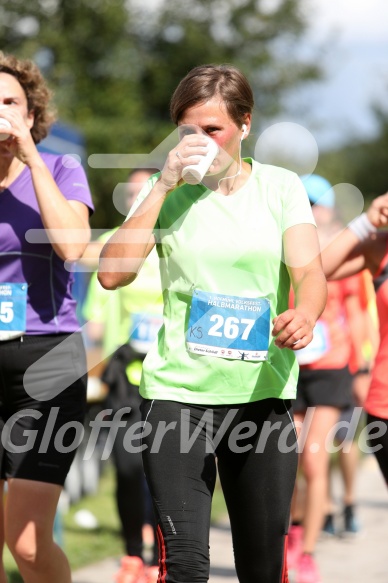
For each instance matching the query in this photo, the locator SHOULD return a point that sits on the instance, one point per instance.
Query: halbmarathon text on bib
(228, 326)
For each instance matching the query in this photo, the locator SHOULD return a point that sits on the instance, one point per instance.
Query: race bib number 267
(231, 327)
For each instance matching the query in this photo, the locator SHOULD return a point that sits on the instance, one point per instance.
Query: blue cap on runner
(319, 190)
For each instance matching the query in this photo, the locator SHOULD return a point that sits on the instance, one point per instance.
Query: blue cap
(319, 190)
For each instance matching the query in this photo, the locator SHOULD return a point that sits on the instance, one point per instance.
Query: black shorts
(42, 405)
(325, 388)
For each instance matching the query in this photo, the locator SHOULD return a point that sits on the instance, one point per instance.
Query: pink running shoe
(131, 571)
(307, 570)
(294, 547)
(152, 574)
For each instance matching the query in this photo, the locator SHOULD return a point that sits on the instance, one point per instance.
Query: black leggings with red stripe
(254, 448)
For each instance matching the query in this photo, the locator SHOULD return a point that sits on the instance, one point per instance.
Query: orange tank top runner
(370, 339)
(377, 400)
(331, 346)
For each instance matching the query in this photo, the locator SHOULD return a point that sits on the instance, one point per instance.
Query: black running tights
(253, 446)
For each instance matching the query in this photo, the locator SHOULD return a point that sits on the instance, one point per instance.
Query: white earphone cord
(239, 169)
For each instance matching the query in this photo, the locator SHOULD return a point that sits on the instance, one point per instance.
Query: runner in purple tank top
(45, 205)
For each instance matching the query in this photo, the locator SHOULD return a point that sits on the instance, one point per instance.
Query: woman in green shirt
(218, 385)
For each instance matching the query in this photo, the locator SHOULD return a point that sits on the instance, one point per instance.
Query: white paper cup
(194, 173)
(4, 125)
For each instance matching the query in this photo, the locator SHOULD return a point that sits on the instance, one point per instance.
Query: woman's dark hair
(204, 82)
(37, 93)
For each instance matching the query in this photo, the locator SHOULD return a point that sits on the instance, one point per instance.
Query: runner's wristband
(362, 227)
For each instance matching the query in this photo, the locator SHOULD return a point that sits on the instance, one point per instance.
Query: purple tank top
(51, 309)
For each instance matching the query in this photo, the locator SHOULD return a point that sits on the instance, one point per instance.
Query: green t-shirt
(225, 245)
(115, 309)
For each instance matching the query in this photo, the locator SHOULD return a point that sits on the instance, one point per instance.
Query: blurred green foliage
(113, 64)
(362, 163)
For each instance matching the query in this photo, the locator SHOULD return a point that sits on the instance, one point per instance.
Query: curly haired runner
(45, 204)
(224, 369)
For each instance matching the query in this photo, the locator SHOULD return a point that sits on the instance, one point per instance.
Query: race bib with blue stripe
(318, 347)
(13, 310)
(144, 331)
(231, 327)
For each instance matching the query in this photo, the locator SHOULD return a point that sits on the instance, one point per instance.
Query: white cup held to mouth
(194, 173)
(4, 125)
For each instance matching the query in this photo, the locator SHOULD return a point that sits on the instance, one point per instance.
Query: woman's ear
(246, 126)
